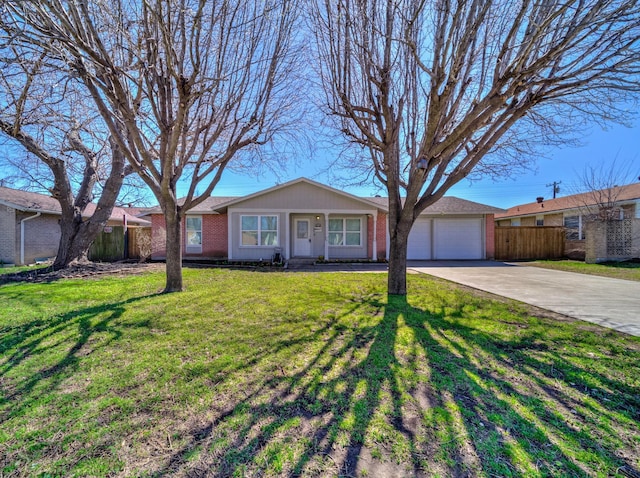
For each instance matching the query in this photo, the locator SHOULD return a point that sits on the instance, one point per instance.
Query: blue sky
(618, 143)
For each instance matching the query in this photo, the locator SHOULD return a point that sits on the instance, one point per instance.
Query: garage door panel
(458, 239)
(419, 243)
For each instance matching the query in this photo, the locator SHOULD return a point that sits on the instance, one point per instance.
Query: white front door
(302, 241)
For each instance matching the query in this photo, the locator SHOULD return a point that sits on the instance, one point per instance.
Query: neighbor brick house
(306, 219)
(577, 213)
(30, 225)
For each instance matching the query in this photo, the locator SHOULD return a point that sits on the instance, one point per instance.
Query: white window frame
(515, 221)
(540, 220)
(192, 248)
(260, 230)
(344, 231)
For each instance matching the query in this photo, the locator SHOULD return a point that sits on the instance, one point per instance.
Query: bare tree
(600, 189)
(185, 86)
(67, 148)
(434, 90)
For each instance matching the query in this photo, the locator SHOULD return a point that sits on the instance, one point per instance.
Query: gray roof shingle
(34, 202)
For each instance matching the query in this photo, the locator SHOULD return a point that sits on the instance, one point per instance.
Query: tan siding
(303, 196)
(553, 220)
(528, 221)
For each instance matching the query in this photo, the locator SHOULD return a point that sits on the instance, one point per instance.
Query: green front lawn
(616, 270)
(287, 374)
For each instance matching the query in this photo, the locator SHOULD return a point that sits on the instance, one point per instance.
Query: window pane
(250, 238)
(194, 238)
(269, 223)
(335, 238)
(269, 239)
(572, 222)
(302, 231)
(353, 225)
(250, 223)
(572, 225)
(353, 238)
(335, 225)
(194, 223)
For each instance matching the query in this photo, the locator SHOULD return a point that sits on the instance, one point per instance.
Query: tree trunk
(397, 279)
(75, 240)
(77, 234)
(173, 247)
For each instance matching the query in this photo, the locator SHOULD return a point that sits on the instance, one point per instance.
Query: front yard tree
(185, 86)
(66, 147)
(434, 90)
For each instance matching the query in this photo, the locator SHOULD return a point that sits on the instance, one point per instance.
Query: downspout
(22, 221)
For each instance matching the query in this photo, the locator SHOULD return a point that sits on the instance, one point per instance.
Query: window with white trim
(515, 221)
(540, 220)
(345, 232)
(194, 234)
(259, 230)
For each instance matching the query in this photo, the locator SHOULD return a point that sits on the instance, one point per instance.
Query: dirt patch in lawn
(83, 270)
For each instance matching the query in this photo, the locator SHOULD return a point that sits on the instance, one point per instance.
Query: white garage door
(419, 243)
(458, 238)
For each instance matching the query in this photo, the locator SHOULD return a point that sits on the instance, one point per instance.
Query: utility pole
(556, 187)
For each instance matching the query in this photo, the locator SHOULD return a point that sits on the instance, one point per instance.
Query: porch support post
(326, 236)
(374, 253)
(287, 236)
(229, 236)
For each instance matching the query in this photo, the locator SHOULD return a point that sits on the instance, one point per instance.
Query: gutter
(22, 221)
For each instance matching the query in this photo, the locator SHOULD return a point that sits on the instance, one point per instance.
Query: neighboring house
(575, 212)
(30, 225)
(306, 219)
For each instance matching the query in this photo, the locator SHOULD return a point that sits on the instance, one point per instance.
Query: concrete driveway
(612, 303)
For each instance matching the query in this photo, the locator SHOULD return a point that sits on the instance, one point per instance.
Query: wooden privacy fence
(111, 244)
(515, 243)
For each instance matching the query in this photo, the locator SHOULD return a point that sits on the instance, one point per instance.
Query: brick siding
(381, 235)
(214, 236)
(41, 236)
(7, 234)
(490, 236)
(158, 236)
(370, 237)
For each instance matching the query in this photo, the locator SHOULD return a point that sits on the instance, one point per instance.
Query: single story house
(306, 219)
(574, 212)
(30, 225)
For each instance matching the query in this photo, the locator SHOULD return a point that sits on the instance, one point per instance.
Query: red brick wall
(158, 236)
(381, 235)
(370, 237)
(214, 236)
(490, 240)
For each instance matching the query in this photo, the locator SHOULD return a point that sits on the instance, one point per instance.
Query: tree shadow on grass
(41, 341)
(418, 394)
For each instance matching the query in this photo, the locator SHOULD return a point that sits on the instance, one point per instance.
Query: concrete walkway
(612, 303)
